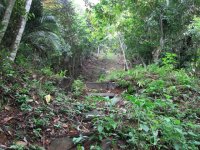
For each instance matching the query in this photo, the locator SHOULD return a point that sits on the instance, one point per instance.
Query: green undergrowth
(32, 105)
(160, 109)
(25, 86)
(162, 112)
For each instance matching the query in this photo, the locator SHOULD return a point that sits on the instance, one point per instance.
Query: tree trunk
(126, 68)
(162, 32)
(98, 50)
(20, 32)
(6, 18)
(167, 2)
(156, 52)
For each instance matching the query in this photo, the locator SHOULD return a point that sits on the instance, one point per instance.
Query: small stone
(110, 95)
(64, 143)
(94, 113)
(113, 101)
(106, 144)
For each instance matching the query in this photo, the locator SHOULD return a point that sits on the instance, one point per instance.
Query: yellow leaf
(48, 98)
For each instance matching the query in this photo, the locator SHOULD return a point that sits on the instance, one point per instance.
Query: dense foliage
(151, 28)
(163, 113)
(55, 36)
(49, 49)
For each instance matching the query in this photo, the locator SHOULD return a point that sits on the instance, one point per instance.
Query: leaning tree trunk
(6, 18)
(20, 32)
(126, 68)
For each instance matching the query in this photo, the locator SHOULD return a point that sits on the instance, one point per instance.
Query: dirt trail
(57, 132)
(100, 65)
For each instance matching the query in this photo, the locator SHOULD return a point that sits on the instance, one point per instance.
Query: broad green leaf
(144, 127)
(177, 122)
(100, 128)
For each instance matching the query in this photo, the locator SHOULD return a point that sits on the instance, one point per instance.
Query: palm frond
(48, 19)
(48, 23)
(48, 42)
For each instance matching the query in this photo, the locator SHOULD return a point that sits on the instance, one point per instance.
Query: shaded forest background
(60, 37)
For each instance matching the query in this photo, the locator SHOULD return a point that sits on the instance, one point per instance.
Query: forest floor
(143, 108)
(44, 115)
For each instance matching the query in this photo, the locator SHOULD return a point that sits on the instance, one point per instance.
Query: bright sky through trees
(82, 4)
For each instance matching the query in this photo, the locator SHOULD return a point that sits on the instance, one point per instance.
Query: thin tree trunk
(167, 2)
(124, 55)
(18, 38)
(98, 50)
(156, 53)
(73, 66)
(162, 32)
(6, 18)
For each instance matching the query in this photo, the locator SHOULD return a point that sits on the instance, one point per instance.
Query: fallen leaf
(10, 133)
(7, 108)
(47, 142)
(7, 119)
(1, 130)
(65, 125)
(73, 132)
(25, 140)
(34, 76)
(48, 129)
(56, 120)
(52, 132)
(48, 98)
(34, 97)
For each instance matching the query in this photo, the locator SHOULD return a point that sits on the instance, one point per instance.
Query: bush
(78, 87)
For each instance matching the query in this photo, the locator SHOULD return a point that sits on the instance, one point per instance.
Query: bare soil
(100, 65)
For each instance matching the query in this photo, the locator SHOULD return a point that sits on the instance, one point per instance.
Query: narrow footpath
(100, 65)
(104, 97)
